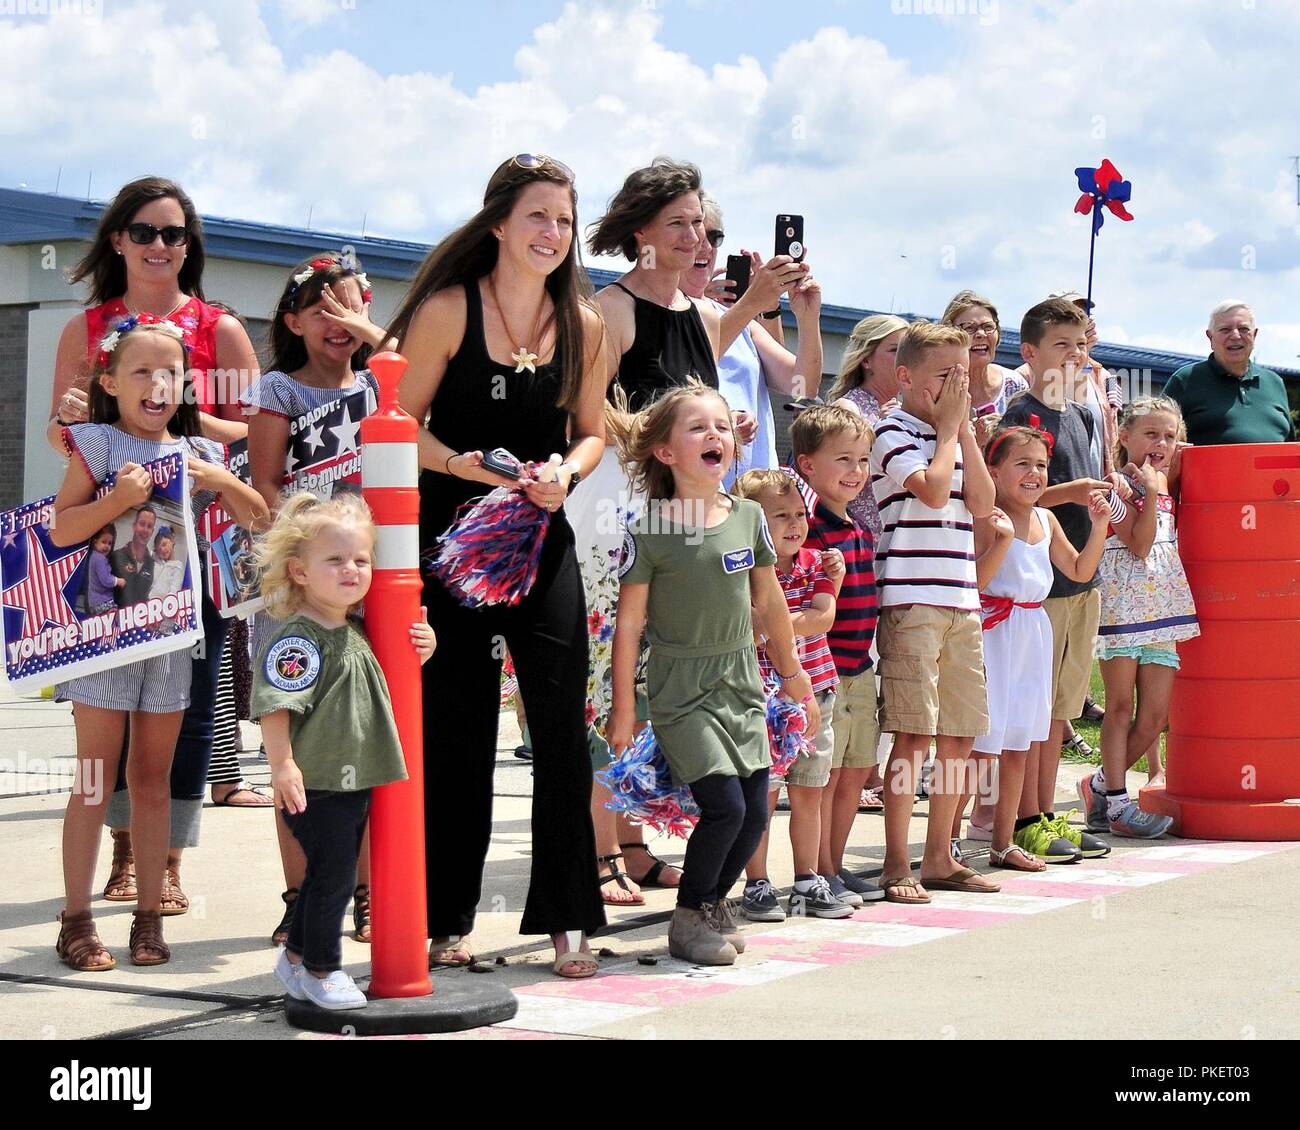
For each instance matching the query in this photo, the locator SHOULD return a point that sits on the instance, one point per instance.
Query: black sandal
(281, 933)
(361, 913)
(651, 877)
(616, 875)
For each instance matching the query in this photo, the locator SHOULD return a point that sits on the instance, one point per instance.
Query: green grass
(1091, 731)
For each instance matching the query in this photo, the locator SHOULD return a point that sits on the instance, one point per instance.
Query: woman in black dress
(508, 284)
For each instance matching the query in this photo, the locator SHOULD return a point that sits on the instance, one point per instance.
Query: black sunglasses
(715, 237)
(173, 235)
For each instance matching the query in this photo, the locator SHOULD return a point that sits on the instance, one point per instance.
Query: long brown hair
(470, 252)
(105, 267)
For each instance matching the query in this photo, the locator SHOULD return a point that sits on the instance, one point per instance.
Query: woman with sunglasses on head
(147, 256)
(506, 351)
(753, 359)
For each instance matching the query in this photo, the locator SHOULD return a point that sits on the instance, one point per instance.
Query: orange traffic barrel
(1234, 721)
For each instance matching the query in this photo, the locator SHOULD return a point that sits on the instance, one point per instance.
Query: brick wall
(13, 402)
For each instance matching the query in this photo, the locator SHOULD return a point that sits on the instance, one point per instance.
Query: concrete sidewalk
(1170, 939)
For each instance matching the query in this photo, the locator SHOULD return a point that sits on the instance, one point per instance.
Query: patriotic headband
(126, 325)
(325, 263)
(1034, 429)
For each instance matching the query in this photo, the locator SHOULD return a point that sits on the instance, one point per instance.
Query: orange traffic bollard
(389, 481)
(1234, 719)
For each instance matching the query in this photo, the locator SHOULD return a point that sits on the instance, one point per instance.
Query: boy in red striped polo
(831, 447)
(930, 483)
(811, 582)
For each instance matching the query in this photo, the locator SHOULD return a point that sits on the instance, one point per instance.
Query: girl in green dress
(692, 566)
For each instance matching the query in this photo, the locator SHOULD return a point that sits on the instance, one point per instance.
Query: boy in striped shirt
(811, 582)
(831, 447)
(930, 481)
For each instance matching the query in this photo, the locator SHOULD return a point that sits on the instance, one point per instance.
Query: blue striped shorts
(157, 685)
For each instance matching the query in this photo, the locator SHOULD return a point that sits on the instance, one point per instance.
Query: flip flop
(265, 802)
(960, 880)
(621, 878)
(889, 885)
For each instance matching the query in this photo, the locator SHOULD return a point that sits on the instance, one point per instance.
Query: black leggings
(733, 817)
(546, 635)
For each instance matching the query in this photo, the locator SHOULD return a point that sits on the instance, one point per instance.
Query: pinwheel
(1102, 188)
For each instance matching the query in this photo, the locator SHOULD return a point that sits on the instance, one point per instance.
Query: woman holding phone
(753, 360)
(507, 284)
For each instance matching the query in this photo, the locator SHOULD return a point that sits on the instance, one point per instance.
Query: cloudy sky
(927, 151)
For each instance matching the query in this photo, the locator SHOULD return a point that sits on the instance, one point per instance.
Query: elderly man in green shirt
(1227, 398)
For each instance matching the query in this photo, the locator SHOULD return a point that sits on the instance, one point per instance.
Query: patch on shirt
(292, 664)
(767, 534)
(627, 556)
(738, 560)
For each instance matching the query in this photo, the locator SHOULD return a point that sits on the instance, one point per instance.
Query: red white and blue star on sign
(49, 578)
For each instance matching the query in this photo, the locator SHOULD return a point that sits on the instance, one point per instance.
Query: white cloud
(898, 166)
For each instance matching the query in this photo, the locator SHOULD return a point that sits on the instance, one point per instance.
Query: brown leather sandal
(121, 878)
(147, 938)
(79, 946)
(173, 898)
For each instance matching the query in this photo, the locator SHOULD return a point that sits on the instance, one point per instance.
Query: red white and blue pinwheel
(1104, 190)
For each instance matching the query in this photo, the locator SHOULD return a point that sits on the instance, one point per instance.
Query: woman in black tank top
(506, 285)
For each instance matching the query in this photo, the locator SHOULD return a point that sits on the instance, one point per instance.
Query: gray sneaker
(760, 904)
(840, 889)
(866, 890)
(1139, 825)
(1094, 804)
(818, 902)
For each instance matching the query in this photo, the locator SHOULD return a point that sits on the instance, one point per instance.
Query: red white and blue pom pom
(787, 725)
(641, 788)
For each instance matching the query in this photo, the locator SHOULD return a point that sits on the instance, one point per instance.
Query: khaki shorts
(857, 724)
(932, 671)
(814, 771)
(1074, 631)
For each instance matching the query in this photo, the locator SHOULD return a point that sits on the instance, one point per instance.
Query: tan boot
(724, 921)
(693, 937)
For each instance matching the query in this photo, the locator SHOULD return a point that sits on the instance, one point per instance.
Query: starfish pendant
(524, 360)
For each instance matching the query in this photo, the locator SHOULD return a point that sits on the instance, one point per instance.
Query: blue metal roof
(36, 217)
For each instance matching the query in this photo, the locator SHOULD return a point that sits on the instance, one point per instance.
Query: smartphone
(499, 461)
(789, 237)
(738, 272)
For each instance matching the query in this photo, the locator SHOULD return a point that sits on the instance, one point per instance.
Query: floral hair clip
(326, 263)
(126, 325)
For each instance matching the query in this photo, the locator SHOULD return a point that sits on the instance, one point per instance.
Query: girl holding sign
(141, 410)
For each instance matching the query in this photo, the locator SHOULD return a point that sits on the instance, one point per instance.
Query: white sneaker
(289, 974)
(334, 991)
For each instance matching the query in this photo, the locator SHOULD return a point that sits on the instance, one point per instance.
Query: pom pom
(641, 788)
(491, 552)
(787, 725)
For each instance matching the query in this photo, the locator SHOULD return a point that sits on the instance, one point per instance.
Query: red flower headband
(125, 326)
(326, 263)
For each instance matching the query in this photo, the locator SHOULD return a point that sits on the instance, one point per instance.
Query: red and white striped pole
(389, 482)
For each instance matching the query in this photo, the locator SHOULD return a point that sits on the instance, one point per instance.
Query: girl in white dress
(1015, 548)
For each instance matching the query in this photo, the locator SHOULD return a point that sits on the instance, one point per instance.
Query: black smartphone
(738, 272)
(789, 237)
(499, 461)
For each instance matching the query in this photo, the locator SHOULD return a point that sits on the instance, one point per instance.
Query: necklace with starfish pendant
(523, 357)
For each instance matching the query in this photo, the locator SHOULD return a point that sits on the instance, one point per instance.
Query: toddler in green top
(327, 721)
(693, 565)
